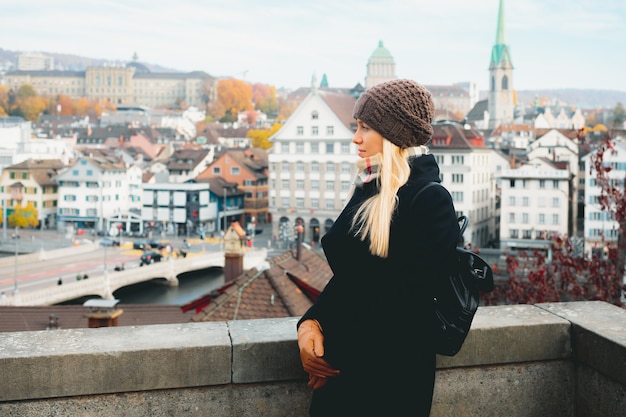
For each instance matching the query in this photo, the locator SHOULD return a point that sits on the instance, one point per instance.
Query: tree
(260, 136)
(4, 100)
(265, 99)
(24, 217)
(619, 115)
(27, 104)
(233, 96)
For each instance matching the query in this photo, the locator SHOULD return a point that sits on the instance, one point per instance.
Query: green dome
(381, 51)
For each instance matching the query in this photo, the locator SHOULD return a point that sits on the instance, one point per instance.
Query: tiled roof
(342, 105)
(19, 319)
(279, 291)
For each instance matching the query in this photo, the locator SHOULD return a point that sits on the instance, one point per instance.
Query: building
(553, 145)
(248, 168)
(175, 208)
(534, 205)
(501, 93)
(129, 85)
(381, 67)
(32, 182)
(34, 61)
(601, 228)
(91, 192)
(312, 166)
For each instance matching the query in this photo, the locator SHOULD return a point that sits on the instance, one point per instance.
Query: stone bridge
(104, 285)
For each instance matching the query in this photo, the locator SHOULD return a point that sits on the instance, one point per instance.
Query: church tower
(380, 67)
(501, 94)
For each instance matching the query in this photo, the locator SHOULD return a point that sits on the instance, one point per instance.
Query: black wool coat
(376, 313)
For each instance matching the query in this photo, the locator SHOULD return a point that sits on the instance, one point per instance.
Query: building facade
(130, 85)
(312, 166)
(381, 67)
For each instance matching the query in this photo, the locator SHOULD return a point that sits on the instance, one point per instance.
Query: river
(190, 287)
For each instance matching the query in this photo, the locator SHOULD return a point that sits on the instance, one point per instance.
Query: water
(191, 286)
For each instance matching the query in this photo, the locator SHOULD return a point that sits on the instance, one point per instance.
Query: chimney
(233, 252)
(299, 237)
(102, 313)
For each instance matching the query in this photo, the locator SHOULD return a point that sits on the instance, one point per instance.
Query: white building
(34, 61)
(467, 171)
(312, 165)
(557, 147)
(534, 205)
(91, 193)
(600, 226)
(13, 130)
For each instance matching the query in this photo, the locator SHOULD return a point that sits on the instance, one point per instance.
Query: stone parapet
(562, 359)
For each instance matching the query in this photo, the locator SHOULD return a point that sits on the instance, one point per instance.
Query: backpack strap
(463, 220)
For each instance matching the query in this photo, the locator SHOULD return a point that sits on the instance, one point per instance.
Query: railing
(557, 360)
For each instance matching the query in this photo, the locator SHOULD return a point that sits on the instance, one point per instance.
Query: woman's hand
(311, 345)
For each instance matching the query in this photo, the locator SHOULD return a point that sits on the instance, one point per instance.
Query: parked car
(150, 256)
(109, 241)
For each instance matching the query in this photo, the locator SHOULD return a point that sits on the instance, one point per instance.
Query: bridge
(104, 285)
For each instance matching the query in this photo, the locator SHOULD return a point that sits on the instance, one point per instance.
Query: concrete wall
(562, 359)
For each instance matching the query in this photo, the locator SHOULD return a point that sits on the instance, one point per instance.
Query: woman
(365, 342)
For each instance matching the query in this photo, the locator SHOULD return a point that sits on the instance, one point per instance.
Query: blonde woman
(365, 342)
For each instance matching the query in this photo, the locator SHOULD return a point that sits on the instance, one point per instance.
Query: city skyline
(554, 44)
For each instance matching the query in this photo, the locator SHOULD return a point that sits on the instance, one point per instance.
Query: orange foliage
(233, 96)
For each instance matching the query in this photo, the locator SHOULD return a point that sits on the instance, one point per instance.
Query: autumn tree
(27, 104)
(23, 217)
(260, 137)
(4, 100)
(233, 96)
(619, 116)
(265, 99)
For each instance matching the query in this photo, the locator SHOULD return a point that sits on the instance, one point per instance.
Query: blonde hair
(373, 218)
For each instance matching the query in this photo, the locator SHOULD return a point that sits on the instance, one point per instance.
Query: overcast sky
(554, 43)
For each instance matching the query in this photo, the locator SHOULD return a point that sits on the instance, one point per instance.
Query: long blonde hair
(373, 218)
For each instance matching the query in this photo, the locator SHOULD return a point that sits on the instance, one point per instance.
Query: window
(217, 170)
(330, 130)
(457, 196)
(458, 159)
(525, 201)
(234, 170)
(300, 185)
(315, 166)
(556, 202)
(285, 166)
(315, 147)
(315, 203)
(511, 200)
(524, 217)
(314, 130)
(300, 148)
(541, 219)
(315, 115)
(284, 202)
(514, 233)
(555, 219)
(330, 167)
(330, 148)
(511, 217)
(315, 185)
(300, 166)
(542, 183)
(300, 130)
(300, 202)
(457, 178)
(346, 167)
(284, 148)
(345, 148)
(345, 185)
(69, 197)
(284, 184)
(528, 234)
(330, 185)
(330, 204)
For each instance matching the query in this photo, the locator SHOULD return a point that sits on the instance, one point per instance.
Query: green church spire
(500, 53)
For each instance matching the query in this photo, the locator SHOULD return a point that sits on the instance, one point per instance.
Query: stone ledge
(75, 362)
(598, 335)
(509, 334)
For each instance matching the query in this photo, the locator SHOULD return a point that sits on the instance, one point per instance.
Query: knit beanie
(400, 110)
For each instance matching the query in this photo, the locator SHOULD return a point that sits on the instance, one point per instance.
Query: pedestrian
(366, 341)
(60, 281)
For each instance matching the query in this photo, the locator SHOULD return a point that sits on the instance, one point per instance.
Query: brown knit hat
(400, 110)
